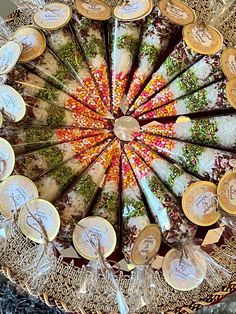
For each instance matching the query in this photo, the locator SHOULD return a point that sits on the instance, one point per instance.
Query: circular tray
(61, 286)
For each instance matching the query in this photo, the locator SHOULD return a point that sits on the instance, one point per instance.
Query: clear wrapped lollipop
(62, 176)
(39, 162)
(219, 131)
(27, 138)
(207, 163)
(61, 40)
(210, 98)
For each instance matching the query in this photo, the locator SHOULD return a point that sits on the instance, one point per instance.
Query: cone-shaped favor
(163, 206)
(210, 98)
(62, 176)
(75, 203)
(207, 70)
(181, 58)
(174, 177)
(217, 131)
(90, 34)
(125, 39)
(30, 84)
(134, 214)
(27, 138)
(107, 204)
(39, 112)
(40, 161)
(157, 33)
(208, 163)
(50, 68)
(63, 43)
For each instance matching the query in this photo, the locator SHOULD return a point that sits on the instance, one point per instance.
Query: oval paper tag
(95, 229)
(205, 40)
(146, 245)
(94, 9)
(183, 273)
(228, 63)
(133, 10)
(33, 42)
(231, 92)
(15, 192)
(36, 216)
(177, 11)
(199, 203)
(7, 159)
(12, 103)
(9, 56)
(53, 16)
(227, 192)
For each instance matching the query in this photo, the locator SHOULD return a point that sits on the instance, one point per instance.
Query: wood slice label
(231, 92)
(228, 63)
(203, 39)
(12, 103)
(227, 192)
(53, 16)
(199, 203)
(38, 217)
(33, 42)
(182, 272)
(146, 245)
(91, 233)
(133, 10)
(9, 56)
(7, 159)
(94, 9)
(177, 11)
(15, 192)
